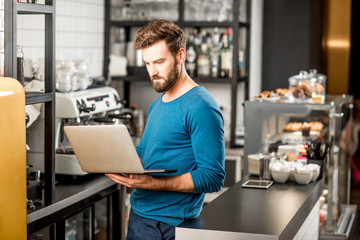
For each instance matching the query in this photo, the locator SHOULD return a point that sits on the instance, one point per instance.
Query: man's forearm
(182, 183)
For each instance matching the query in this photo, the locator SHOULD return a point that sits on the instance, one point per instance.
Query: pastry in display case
(307, 87)
(299, 135)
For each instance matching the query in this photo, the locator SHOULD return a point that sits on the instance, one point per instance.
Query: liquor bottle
(203, 61)
(214, 54)
(231, 46)
(225, 57)
(191, 56)
(214, 65)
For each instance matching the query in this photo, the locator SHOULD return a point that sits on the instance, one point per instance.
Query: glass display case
(270, 123)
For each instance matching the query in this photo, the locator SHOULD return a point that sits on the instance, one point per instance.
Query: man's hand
(182, 183)
(135, 181)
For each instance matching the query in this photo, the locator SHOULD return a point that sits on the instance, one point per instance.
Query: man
(184, 131)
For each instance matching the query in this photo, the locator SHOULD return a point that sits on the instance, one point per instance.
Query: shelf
(141, 78)
(33, 98)
(125, 23)
(211, 24)
(29, 8)
(243, 79)
(131, 78)
(212, 80)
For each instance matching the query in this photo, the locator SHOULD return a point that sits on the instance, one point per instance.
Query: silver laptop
(106, 149)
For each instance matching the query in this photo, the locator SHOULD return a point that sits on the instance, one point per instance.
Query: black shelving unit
(12, 9)
(63, 200)
(233, 81)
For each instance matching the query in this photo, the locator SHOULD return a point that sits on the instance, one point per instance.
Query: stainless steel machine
(92, 106)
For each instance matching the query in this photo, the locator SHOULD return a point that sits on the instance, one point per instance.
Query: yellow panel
(336, 45)
(12, 160)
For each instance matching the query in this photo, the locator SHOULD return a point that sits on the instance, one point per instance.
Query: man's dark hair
(159, 30)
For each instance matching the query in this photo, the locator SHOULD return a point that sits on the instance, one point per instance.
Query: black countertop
(72, 192)
(277, 212)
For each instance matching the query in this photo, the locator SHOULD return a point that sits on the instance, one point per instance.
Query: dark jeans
(145, 228)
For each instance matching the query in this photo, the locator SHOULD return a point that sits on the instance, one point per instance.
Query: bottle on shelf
(214, 63)
(231, 46)
(191, 56)
(214, 54)
(203, 60)
(226, 56)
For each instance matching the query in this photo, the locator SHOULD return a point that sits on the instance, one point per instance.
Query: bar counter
(70, 197)
(248, 213)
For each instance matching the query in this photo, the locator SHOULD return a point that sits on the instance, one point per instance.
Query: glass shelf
(208, 11)
(141, 10)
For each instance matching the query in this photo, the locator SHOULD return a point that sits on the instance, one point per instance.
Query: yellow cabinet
(12, 160)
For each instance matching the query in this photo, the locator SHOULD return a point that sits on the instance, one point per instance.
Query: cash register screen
(258, 184)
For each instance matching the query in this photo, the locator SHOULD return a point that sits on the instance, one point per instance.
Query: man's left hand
(135, 180)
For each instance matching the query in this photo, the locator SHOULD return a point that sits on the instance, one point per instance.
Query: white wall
(79, 33)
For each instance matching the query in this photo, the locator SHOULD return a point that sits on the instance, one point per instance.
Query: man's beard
(169, 81)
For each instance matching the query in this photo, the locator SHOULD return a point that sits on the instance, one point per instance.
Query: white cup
(81, 65)
(63, 87)
(74, 83)
(84, 83)
(63, 77)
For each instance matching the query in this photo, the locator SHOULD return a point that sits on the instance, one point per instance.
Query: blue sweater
(185, 134)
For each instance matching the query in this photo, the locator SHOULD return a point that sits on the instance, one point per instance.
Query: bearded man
(184, 131)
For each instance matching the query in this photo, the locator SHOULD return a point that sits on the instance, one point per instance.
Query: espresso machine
(87, 107)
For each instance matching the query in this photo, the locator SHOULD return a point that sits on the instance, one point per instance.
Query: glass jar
(307, 87)
(319, 93)
(300, 87)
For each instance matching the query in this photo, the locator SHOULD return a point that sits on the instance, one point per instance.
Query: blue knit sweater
(185, 134)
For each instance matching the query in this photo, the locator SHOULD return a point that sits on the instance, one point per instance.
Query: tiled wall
(79, 33)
